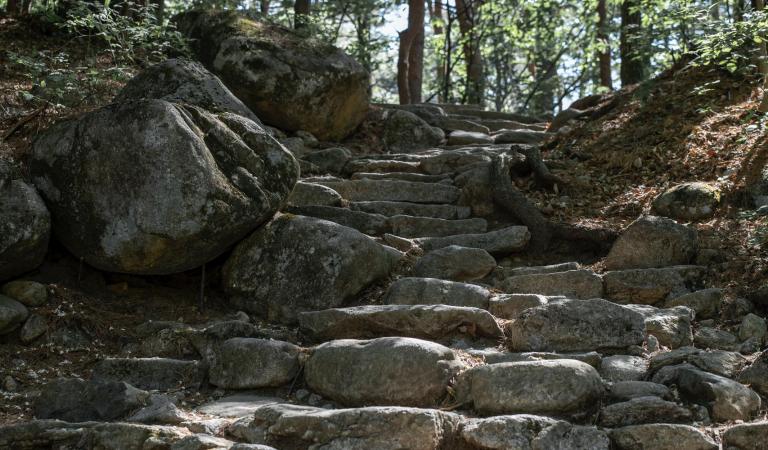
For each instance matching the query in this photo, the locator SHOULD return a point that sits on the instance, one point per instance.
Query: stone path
(460, 353)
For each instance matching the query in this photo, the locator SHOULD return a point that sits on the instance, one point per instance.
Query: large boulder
(77, 400)
(290, 81)
(152, 187)
(652, 241)
(182, 81)
(298, 263)
(25, 226)
(386, 371)
(406, 132)
(688, 201)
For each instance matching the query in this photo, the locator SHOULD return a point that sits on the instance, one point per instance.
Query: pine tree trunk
(632, 68)
(604, 55)
(410, 58)
(466, 10)
(14, 7)
(264, 7)
(301, 14)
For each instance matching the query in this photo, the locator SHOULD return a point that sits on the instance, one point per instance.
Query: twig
(24, 121)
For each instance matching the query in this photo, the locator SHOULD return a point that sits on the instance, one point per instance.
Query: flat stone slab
(415, 227)
(237, 405)
(394, 190)
(381, 166)
(417, 321)
(582, 284)
(559, 387)
(373, 224)
(432, 291)
(661, 436)
(507, 240)
(650, 286)
(520, 137)
(412, 209)
(671, 326)
(451, 161)
(374, 428)
(390, 371)
(493, 356)
(526, 431)
(306, 194)
(576, 326)
(460, 137)
(403, 176)
(510, 306)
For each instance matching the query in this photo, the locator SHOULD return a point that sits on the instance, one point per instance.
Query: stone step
(519, 137)
(388, 371)
(434, 322)
(289, 426)
(415, 226)
(412, 209)
(403, 176)
(371, 224)
(449, 124)
(399, 225)
(306, 194)
(452, 161)
(576, 326)
(499, 124)
(582, 283)
(494, 356)
(432, 291)
(394, 190)
(495, 115)
(460, 137)
(381, 166)
(506, 240)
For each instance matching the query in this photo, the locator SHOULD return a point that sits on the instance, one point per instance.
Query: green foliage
(731, 45)
(133, 32)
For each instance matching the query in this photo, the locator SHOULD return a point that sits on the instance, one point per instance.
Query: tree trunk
(466, 10)
(301, 14)
(264, 7)
(13, 8)
(437, 29)
(410, 58)
(762, 64)
(604, 55)
(632, 70)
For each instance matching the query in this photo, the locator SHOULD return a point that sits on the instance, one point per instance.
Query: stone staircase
(458, 353)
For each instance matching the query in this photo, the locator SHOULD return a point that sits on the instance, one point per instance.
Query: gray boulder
(33, 328)
(661, 436)
(455, 263)
(524, 431)
(688, 201)
(510, 306)
(317, 264)
(643, 410)
(406, 132)
(627, 390)
(413, 227)
(372, 428)
(152, 187)
(329, 160)
(30, 293)
(417, 321)
(756, 375)
(672, 326)
(746, 436)
(289, 81)
(506, 240)
(248, 363)
(385, 371)
(555, 387)
(76, 400)
(461, 137)
(623, 368)
(431, 291)
(650, 286)
(25, 226)
(705, 302)
(306, 194)
(12, 314)
(576, 325)
(652, 242)
(183, 81)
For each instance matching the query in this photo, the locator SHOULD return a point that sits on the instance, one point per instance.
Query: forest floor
(694, 125)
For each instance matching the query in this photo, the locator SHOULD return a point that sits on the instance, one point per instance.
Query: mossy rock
(290, 81)
(688, 201)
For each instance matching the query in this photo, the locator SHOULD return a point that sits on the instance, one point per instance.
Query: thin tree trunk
(301, 14)
(436, 13)
(466, 10)
(264, 7)
(410, 56)
(632, 70)
(13, 8)
(762, 64)
(604, 55)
